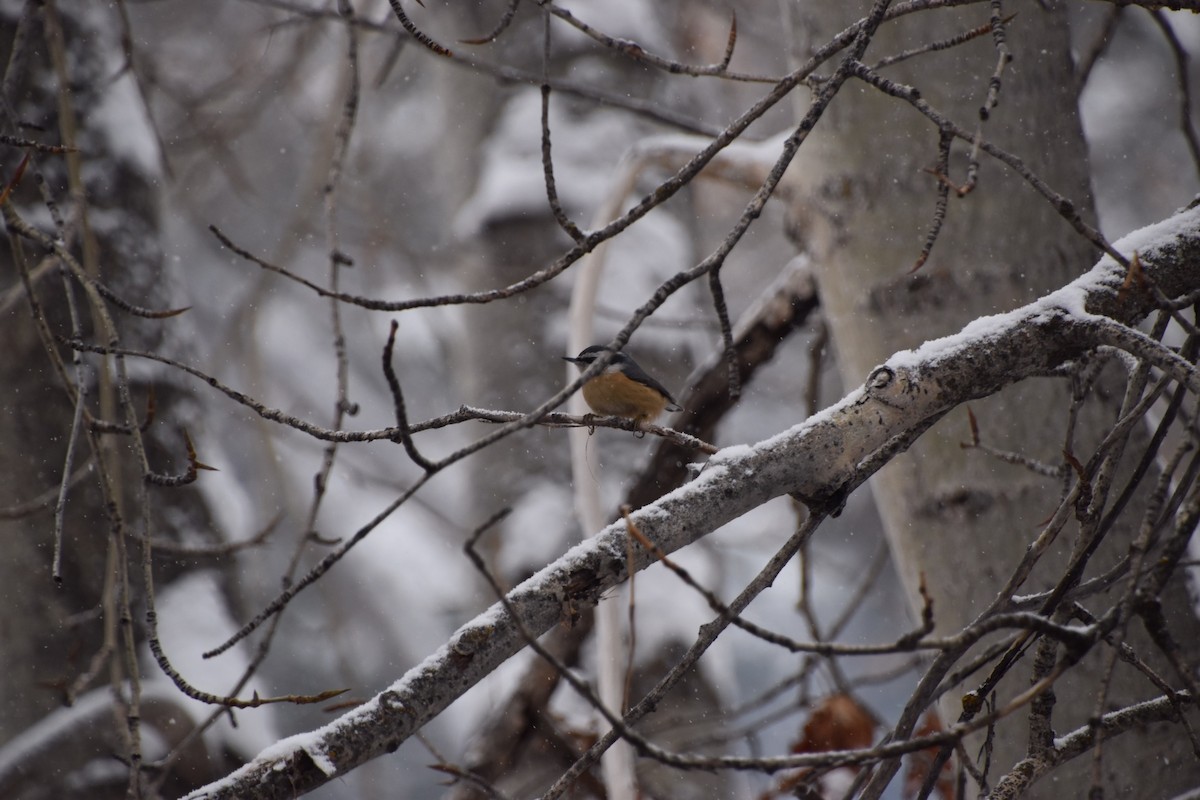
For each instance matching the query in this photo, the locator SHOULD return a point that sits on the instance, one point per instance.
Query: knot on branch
(891, 387)
(881, 378)
(469, 643)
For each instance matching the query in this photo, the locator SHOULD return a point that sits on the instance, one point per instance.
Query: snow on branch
(817, 461)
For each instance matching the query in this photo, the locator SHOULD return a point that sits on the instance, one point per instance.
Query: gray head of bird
(589, 354)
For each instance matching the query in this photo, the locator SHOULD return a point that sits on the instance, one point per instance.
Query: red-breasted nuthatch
(623, 389)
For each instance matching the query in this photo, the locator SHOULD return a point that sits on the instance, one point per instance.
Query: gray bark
(955, 517)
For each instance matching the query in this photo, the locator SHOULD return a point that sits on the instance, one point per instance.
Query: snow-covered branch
(817, 461)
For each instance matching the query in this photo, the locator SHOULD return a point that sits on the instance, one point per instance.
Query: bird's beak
(572, 359)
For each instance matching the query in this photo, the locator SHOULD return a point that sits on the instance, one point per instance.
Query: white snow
(1070, 299)
(537, 529)
(121, 116)
(321, 759)
(585, 151)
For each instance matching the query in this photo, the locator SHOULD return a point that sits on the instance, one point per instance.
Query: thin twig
(556, 208)
(1003, 58)
(638, 53)
(942, 173)
(323, 566)
(941, 44)
(501, 25)
(46, 499)
(423, 38)
(708, 635)
(393, 382)
(1182, 72)
(727, 346)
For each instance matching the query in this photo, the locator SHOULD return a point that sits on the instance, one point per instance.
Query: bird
(623, 389)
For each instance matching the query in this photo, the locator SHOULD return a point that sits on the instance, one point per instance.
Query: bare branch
(817, 459)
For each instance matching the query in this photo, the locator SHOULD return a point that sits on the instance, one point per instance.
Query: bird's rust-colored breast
(615, 394)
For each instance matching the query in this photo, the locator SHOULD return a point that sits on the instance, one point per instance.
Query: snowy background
(233, 111)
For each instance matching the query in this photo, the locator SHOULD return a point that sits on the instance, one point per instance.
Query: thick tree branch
(817, 460)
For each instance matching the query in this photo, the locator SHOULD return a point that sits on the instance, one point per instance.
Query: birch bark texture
(955, 517)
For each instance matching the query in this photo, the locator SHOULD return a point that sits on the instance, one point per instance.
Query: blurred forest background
(322, 138)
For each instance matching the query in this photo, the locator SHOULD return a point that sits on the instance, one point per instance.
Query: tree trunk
(59, 641)
(957, 519)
